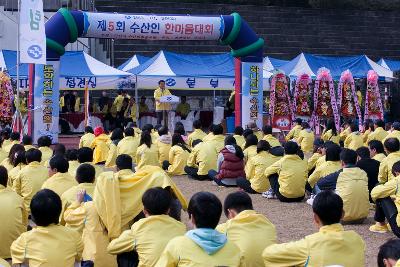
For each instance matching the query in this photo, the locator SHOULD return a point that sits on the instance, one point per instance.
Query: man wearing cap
(294, 132)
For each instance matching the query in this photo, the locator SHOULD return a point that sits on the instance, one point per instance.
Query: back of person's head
(124, 162)
(15, 136)
(217, 129)
(44, 141)
(32, 155)
(305, 125)
(59, 163)
(252, 125)
(380, 123)
(389, 251)
(229, 140)
(129, 132)
(5, 134)
(179, 129)
(27, 140)
(267, 129)
(178, 123)
(396, 126)
(85, 154)
(348, 156)
(377, 146)
(197, 124)
(19, 158)
(238, 130)
(237, 201)
(354, 127)
(298, 121)
(157, 201)
(263, 145)
(196, 142)
(251, 140)
(396, 168)
(45, 208)
(318, 143)
(88, 129)
(205, 209)
(85, 173)
(247, 132)
(59, 149)
(156, 127)
(117, 134)
(177, 139)
(147, 127)
(98, 131)
(71, 154)
(291, 148)
(145, 138)
(392, 145)
(333, 153)
(163, 130)
(328, 206)
(363, 153)
(3, 176)
(14, 150)
(120, 92)
(330, 125)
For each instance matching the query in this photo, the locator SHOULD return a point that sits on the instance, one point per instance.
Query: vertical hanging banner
(32, 36)
(252, 93)
(46, 101)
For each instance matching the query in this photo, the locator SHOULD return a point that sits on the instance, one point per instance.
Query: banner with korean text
(252, 93)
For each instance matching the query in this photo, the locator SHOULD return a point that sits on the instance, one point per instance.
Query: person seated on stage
(330, 133)
(306, 140)
(353, 140)
(178, 156)
(118, 100)
(163, 144)
(318, 149)
(256, 131)
(202, 246)
(250, 231)
(345, 130)
(386, 197)
(116, 136)
(129, 144)
(201, 160)
(183, 108)
(27, 142)
(389, 254)
(379, 132)
(87, 139)
(395, 131)
(8, 162)
(77, 105)
(272, 140)
(59, 179)
(217, 140)
(13, 213)
(149, 236)
(329, 247)
(250, 147)
(62, 102)
(14, 139)
(143, 108)
(230, 164)
(147, 152)
(238, 135)
(376, 150)
(256, 182)
(370, 166)
(392, 147)
(197, 133)
(99, 146)
(48, 244)
(210, 134)
(44, 143)
(293, 134)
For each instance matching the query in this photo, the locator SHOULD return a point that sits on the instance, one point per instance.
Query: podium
(168, 99)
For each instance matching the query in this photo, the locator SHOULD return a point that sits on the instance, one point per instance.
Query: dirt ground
(292, 220)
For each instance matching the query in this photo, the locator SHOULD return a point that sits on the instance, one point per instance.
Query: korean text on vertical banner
(252, 93)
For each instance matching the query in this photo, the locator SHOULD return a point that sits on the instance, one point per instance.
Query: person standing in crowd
(118, 100)
(379, 132)
(183, 108)
(330, 132)
(294, 132)
(77, 104)
(161, 108)
(103, 101)
(87, 139)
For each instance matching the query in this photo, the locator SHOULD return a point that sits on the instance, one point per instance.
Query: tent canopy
(8, 60)
(133, 62)
(393, 65)
(271, 63)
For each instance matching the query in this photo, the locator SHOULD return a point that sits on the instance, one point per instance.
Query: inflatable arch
(66, 26)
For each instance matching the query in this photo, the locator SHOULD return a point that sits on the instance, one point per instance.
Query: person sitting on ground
(329, 247)
(149, 236)
(180, 129)
(306, 140)
(379, 132)
(27, 142)
(99, 146)
(147, 152)
(387, 208)
(250, 147)
(312, 161)
(14, 218)
(59, 179)
(3, 154)
(201, 160)
(217, 140)
(178, 156)
(59, 149)
(116, 136)
(247, 132)
(330, 132)
(395, 133)
(44, 143)
(202, 246)
(345, 130)
(72, 157)
(256, 131)
(230, 164)
(210, 134)
(272, 140)
(294, 132)
(370, 166)
(377, 150)
(85, 155)
(353, 140)
(129, 144)
(163, 144)
(14, 139)
(196, 134)
(87, 139)
(238, 135)
(183, 108)
(5, 137)
(368, 127)
(250, 231)
(256, 182)
(48, 244)
(19, 162)
(8, 163)
(389, 254)
(392, 147)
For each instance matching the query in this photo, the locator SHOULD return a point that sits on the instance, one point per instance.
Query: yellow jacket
(328, 136)
(389, 189)
(352, 187)
(306, 140)
(128, 145)
(249, 152)
(183, 251)
(293, 133)
(147, 156)
(14, 219)
(47, 153)
(252, 233)
(329, 247)
(73, 166)
(259, 134)
(62, 102)
(163, 151)
(255, 168)
(385, 168)
(59, 183)
(4, 263)
(49, 246)
(379, 134)
(86, 140)
(379, 157)
(118, 102)
(3, 155)
(148, 237)
(29, 181)
(158, 93)
(143, 108)
(292, 171)
(325, 169)
(240, 141)
(208, 137)
(365, 136)
(27, 147)
(203, 157)
(343, 134)
(183, 109)
(97, 168)
(8, 145)
(12, 175)
(196, 134)
(100, 148)
(69, 196)
(77, 104)
(218, 142)
(273, 142)
(393, 134)
(7, 164)
(177, 158)
(353, 141)
(154, 136)
(112, 156)
(312, 161)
